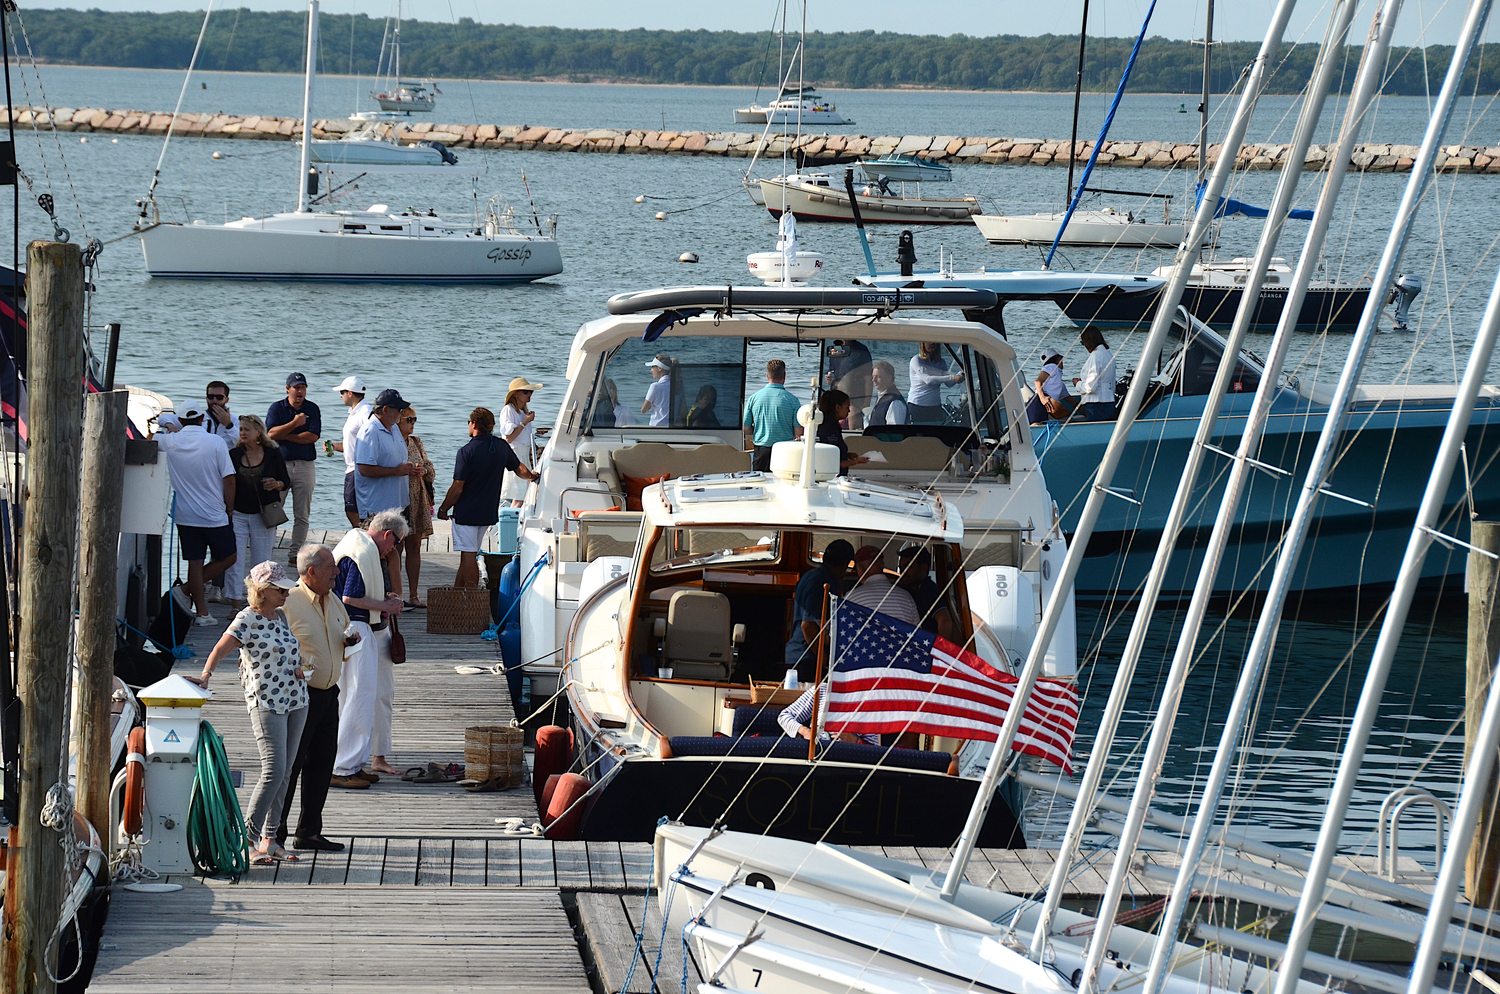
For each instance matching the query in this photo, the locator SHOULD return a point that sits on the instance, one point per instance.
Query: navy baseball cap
(296, 380)
(390, 398)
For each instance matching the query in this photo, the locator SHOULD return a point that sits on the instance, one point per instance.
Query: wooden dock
(430, 895)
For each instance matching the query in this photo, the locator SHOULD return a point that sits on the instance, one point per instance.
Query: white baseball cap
(658, 364)
(191, 409)
(351, 383)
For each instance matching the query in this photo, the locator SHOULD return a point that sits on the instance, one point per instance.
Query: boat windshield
(902, 387)
(694, 548)
(1190, 361)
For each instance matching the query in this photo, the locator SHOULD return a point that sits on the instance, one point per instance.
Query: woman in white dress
(519, 432)
(1096, 383)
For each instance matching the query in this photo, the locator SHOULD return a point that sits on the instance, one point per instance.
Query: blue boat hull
(1384, 459)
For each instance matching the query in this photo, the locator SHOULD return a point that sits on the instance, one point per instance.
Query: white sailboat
(402, 96)
(371, 245)
(374, 143)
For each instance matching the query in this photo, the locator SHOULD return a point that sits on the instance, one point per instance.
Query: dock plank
(400, 867)
(612, 944)
(605, 867)
(435, 863)
(468, 863)
(668, 977)
(333, 867)
(537, 867)
(571, 864)
(639, 862)
(503, 863)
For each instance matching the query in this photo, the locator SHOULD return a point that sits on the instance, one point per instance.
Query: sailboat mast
(396, 45)
(307, 97)
(1083, 33)
(1208, 58)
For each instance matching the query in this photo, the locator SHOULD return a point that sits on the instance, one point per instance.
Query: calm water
(448, 349)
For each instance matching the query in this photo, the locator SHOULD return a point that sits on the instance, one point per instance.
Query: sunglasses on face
(410, 421)
(217, 396)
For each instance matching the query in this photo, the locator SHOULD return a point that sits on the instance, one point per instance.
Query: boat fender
(507, 591)
(510, 655)
(548, 789)
(554, 755)
(135, 782)
(563, 823)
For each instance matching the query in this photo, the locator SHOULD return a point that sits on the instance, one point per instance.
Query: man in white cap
(658, 405)
(352, 393)
(203, 477)
(381, 473)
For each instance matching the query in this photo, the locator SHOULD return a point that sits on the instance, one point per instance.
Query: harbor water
(449, 349)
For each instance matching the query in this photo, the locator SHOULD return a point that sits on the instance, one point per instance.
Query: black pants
(761, 459)
(314, 763)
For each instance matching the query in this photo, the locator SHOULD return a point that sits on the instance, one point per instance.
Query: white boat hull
(750, 115)
(1096, 229)
(808, 202)
(324, 249)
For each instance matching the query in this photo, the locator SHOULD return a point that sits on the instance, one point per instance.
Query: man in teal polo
(770, 416)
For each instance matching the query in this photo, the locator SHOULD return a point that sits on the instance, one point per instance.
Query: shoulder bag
(398, 642)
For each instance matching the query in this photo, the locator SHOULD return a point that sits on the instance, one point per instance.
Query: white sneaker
(180, 595)
(213, 594)
(204, 620)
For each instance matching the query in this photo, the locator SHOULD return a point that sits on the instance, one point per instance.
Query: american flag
(890, 677)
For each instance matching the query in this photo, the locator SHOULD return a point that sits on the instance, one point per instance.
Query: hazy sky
(1429, 22)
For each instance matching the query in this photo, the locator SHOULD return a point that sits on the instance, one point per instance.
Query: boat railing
(562, 501)
(1388, 827)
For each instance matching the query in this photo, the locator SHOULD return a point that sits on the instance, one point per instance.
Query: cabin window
(1199, 356)
(695, 548)
(702, 386)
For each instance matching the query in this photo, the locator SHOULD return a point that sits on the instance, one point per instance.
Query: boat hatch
(711, 492)
(885, 499)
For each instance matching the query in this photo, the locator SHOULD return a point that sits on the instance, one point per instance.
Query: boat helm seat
(700, 639)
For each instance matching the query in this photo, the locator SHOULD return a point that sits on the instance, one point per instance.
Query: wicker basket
(495, 752)
(457, 610)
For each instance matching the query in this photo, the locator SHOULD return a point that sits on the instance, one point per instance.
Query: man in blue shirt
(770, 416)
(474, 498)
(295, 424)
(807, 606)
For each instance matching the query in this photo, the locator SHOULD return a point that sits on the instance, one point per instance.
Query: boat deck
(513, 914)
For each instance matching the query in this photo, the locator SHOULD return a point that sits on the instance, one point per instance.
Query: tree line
(245, 40)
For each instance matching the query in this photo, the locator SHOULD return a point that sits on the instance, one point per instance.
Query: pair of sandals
(433, 773)
(271, 852)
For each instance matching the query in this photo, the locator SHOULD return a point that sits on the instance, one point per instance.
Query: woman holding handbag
(419, 511)
(261, 482)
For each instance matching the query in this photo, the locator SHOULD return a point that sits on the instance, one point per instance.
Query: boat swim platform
(430, 895)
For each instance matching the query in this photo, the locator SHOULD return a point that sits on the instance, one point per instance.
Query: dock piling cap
(173, 692)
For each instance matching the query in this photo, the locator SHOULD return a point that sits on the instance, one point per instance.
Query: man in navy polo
(295, 424)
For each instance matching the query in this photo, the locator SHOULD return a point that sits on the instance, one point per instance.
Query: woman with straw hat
(519, 432)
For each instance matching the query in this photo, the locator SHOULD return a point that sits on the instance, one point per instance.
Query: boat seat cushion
(755, 746)
(699, 635)
(907, 759)
(918, 452)
(647, 459)
(756, 720)
(607, 533)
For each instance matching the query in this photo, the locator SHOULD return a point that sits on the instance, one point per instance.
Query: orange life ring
(135, 782)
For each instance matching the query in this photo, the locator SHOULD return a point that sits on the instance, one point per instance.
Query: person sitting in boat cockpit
(878, 591)
(1051, 399)
(795, 717)
(807, 605)
(889, 407)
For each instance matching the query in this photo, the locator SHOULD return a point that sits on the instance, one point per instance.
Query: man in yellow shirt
(318, 619)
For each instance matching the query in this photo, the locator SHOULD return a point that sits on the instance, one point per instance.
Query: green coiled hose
(216, 827)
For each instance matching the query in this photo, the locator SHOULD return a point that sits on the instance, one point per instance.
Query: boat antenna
(859, 222)
(307, 97)
(1083, 33)
(535, 219)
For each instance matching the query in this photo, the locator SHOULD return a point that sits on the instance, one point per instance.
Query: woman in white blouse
(1096, 383)
(928, 375)
(518, 430)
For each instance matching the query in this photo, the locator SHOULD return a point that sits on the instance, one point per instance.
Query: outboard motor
(442, 150)
(1403, 292)
(906, 253)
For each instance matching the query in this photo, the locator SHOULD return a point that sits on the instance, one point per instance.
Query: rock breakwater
(1373, 157)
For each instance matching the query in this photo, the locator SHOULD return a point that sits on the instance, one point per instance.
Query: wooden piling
(1482, 873)
(99, 539)
(54, 291)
